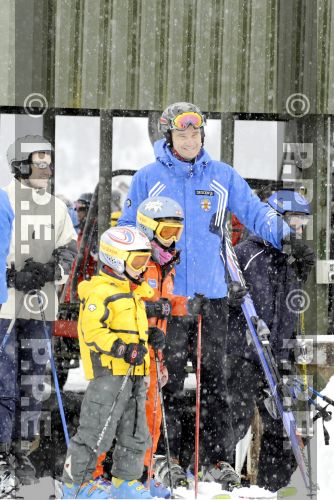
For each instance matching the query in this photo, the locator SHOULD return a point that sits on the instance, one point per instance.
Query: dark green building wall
(227, 55)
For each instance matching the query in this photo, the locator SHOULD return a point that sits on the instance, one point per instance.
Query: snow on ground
(323, 461)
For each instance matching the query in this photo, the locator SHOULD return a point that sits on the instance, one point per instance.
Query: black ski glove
(199, 304)
(156, 338)
(302, 257)
(49, 271)
(236, 294)
(161, 309)
(24, 281)
(131, 353)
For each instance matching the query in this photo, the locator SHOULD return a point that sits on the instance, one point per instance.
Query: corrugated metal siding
(226, 55)
(145, 54)
(7, 51)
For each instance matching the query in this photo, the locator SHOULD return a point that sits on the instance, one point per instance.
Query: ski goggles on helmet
(167, 232)
(182, 121)
(137, 261)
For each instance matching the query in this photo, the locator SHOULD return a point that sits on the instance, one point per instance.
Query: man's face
(187, 142)
(39, 177)
(82, 210)
(297, 222)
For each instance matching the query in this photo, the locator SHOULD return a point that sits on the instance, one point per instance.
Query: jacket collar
(180, 168)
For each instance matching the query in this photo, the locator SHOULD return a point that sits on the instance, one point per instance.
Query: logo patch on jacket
(205, 205)
(128, 202)
(204, 192)
(152, 283)
(91, 307)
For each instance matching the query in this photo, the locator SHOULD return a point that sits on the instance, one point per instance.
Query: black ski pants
(246, 384)
(216, 434)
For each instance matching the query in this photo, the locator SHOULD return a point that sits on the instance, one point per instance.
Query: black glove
(161, 309)
(199, 304)
(302, 252)
(134, 354)
(131, 353)
(156, 338)
(48, 271)
(236, 294)
(24, 281)
(303, 258)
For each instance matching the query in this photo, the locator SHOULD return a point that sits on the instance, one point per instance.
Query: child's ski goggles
(167, 232)
(137, 261)
(182, 121)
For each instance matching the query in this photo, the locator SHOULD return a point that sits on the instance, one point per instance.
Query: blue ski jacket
(274, 289)
(203, 188)
(6, 221)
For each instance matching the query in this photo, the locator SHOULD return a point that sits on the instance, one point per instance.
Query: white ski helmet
(124, 245)
(19, 153)
(161, 217)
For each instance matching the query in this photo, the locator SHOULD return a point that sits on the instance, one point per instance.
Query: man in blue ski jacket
(183, 170)
(6, 222)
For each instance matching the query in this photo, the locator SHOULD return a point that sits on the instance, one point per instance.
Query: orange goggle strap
(126, 256)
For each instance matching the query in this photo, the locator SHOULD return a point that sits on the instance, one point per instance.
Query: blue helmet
(153, 211)
(289, 201)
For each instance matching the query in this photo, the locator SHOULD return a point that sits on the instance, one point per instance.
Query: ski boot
(98, 488)
(8, 481)
(224, 474)
(156, 489)
(24, 469)
(128, 489)
(161, 472)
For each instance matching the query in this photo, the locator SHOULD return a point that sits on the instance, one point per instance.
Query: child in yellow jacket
(113, 336)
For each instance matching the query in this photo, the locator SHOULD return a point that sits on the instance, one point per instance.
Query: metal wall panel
(7, 51)
(226, 55)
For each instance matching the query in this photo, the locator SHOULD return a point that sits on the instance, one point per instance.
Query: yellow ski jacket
(110, 310)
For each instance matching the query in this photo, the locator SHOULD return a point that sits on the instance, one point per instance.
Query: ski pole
(198, 398)
(162, 324)
(155, 410)
(53, 367)
(104, 430)
(164, 425)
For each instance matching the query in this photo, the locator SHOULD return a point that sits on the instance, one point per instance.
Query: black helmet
(85, 199)
(187, 113)
(19, 153)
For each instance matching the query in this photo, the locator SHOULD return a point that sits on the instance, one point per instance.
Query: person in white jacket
(42, 249)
